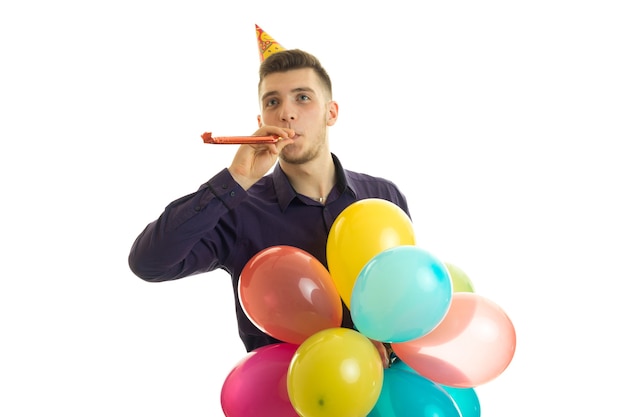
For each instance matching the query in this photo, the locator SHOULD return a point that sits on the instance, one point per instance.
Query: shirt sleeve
(187, 238)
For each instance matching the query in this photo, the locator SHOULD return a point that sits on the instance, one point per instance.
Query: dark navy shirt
(222, 226)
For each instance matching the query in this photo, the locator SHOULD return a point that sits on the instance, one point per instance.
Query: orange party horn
(238, 140)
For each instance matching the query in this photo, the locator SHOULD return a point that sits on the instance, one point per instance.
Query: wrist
(243, 181)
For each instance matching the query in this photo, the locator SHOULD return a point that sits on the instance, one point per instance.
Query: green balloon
(460, 281)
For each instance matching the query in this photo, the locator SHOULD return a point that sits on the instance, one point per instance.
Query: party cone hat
(267, 44)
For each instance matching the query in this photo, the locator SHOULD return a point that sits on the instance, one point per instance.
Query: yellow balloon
(360, 232)
(460, 281)
(336, 372)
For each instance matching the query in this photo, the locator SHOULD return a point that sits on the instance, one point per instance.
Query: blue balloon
(409, 394)
(465, 399)
(401, 294)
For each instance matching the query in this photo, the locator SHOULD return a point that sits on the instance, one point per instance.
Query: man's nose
(287, 112)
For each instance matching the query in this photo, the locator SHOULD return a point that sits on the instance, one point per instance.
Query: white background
(503, 122)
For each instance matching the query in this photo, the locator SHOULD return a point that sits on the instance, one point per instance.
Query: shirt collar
(285, 192)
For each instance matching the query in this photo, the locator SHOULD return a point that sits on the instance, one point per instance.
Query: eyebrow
(295, 90)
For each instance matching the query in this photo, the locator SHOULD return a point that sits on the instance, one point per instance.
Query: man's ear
(258, 120)
(332, 113)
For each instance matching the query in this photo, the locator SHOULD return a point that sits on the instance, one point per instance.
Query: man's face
(296, 99)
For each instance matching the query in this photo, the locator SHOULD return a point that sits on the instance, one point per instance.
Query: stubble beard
(310, 154)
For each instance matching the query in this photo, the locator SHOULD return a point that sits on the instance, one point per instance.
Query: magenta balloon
(472, 345)
(257, 385)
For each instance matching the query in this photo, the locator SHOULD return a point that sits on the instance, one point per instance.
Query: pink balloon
(289, 294)
(257, 385)
(473, 344)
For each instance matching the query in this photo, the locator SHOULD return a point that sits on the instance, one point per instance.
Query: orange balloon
(360, 232)
(287, 293)
(473, 344)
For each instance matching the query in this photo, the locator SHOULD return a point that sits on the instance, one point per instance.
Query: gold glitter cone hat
(267, 44)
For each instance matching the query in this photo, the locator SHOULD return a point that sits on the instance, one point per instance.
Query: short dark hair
(292, 59)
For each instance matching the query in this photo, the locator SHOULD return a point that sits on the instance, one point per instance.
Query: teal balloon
(398, 364)
(409, 394)
(401, 294)
(465, 399)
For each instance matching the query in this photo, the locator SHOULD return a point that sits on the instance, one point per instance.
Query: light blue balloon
(409, 394)
(401, 294)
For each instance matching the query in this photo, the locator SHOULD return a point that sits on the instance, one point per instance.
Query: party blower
(207, 137)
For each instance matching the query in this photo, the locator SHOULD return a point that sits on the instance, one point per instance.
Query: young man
(241, 210)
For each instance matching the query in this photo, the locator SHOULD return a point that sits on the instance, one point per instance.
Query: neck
(314, 179)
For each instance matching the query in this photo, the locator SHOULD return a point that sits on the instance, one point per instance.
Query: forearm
(182, 241)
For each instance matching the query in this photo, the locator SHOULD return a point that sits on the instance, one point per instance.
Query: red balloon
(289, 294)
(257, 385)
(473, 344)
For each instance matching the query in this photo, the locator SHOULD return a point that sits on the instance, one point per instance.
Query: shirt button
(232, 193)
(224, 186)
(197, 208)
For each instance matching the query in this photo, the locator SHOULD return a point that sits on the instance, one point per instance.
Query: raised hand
(253, 161)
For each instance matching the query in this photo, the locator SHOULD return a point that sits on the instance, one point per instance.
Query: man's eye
(304, 97)
(270, 103)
